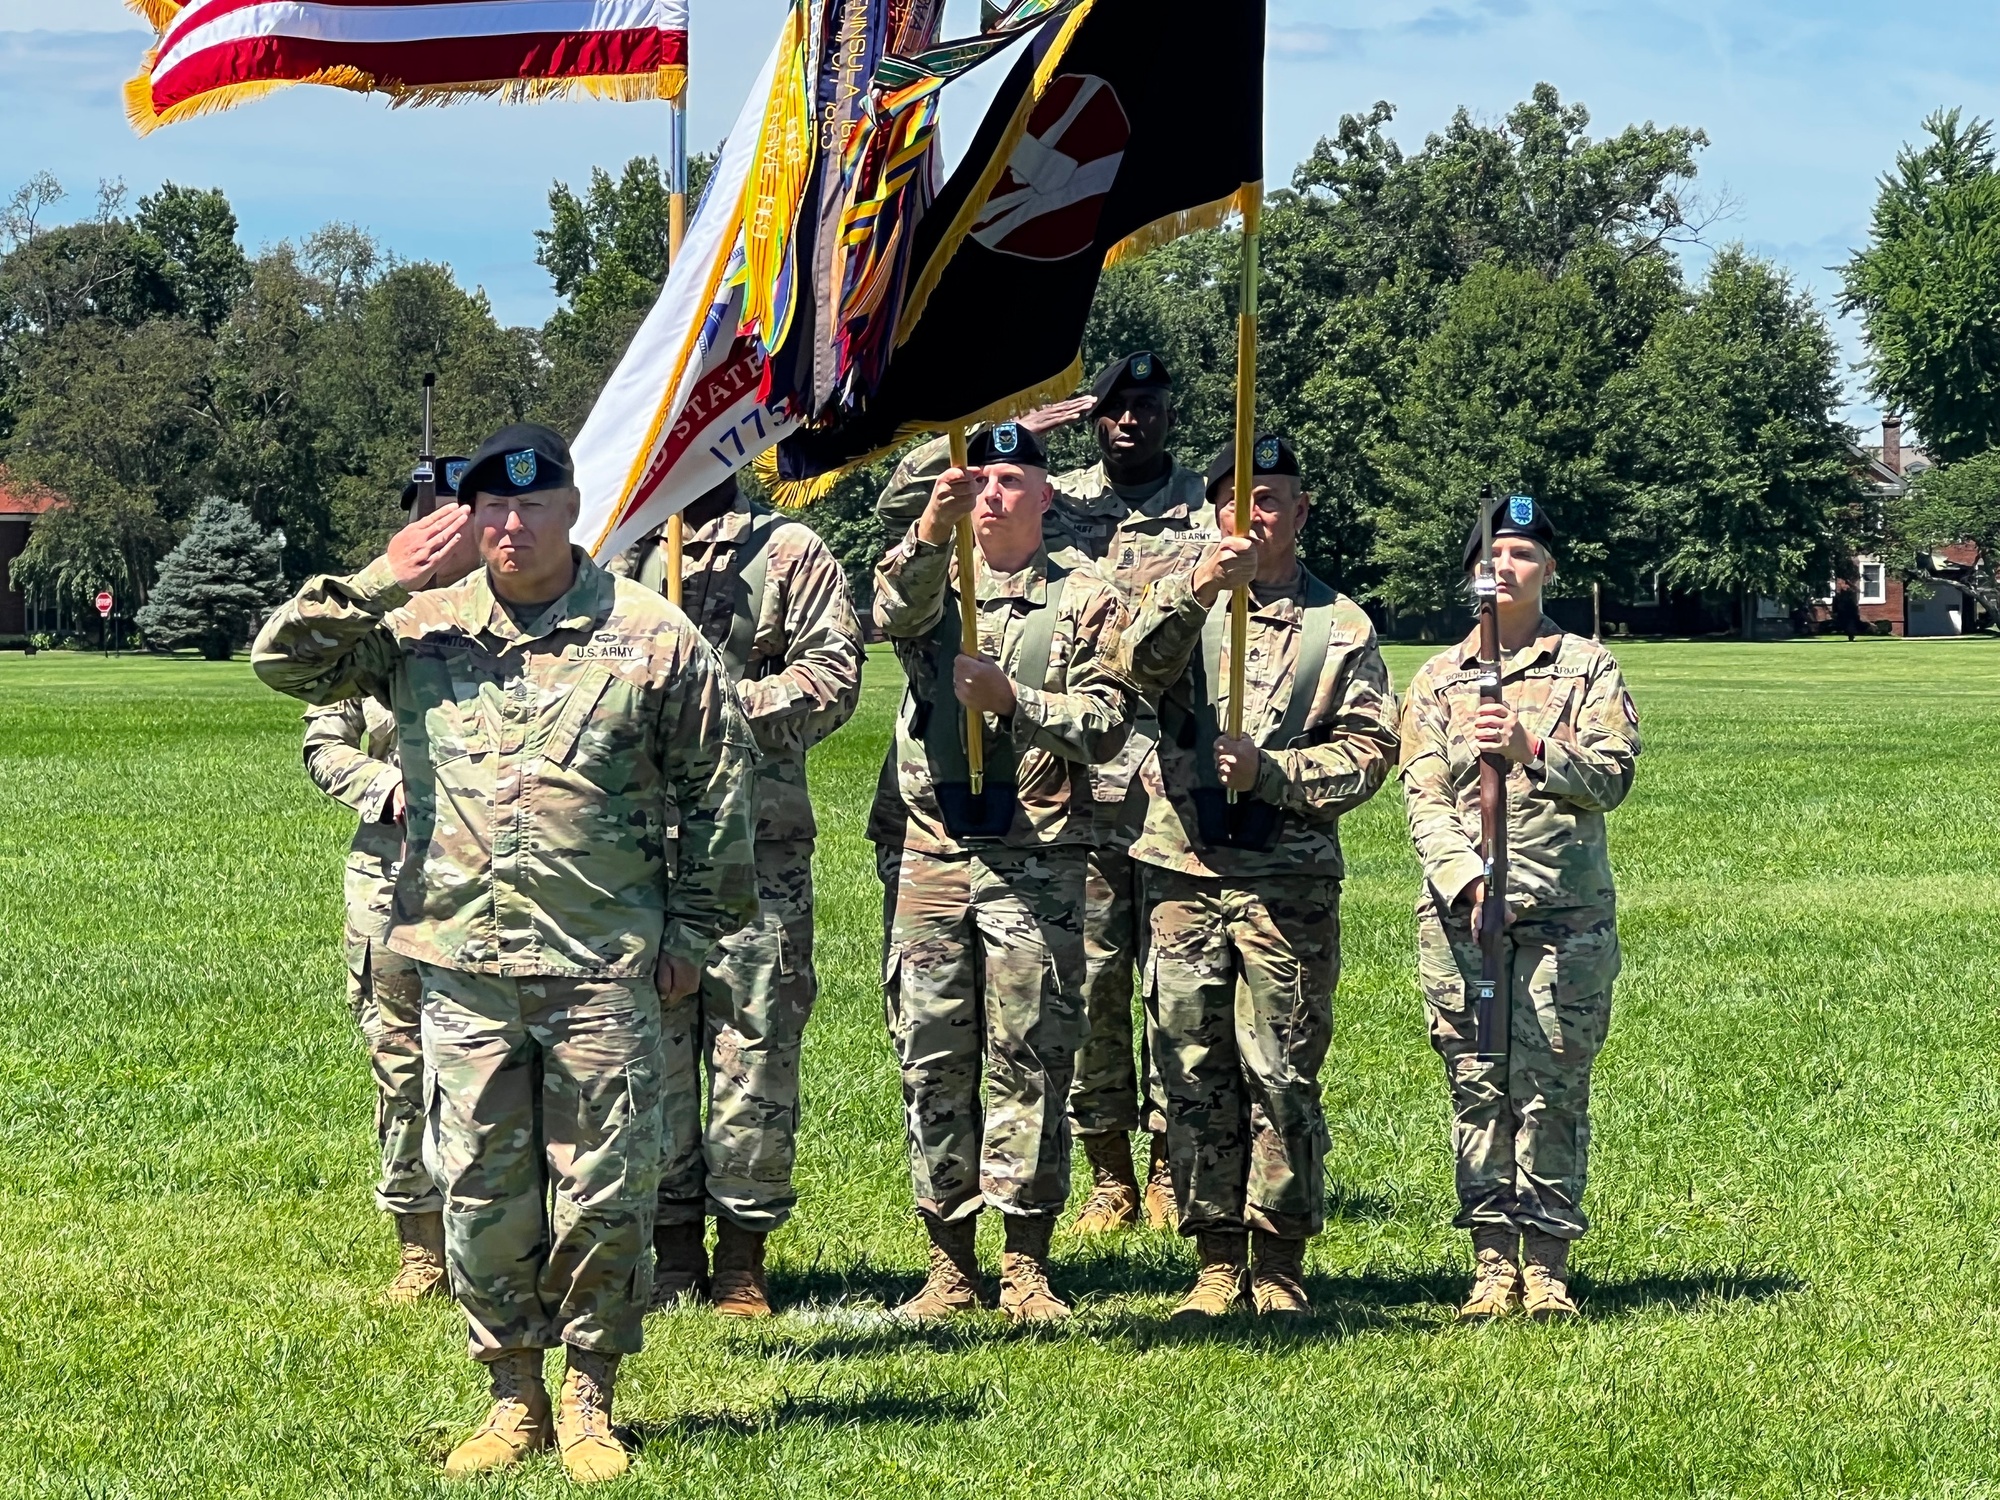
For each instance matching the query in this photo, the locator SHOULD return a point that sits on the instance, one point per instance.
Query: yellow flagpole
(677, 181)
(1246, 441)
(968, 618)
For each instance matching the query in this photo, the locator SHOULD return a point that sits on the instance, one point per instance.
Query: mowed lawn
(1791, 1289)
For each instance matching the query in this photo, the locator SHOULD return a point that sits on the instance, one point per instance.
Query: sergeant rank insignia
(522, 468)
(1521, 510)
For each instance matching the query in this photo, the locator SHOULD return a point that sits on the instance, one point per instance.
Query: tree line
(1511, 304)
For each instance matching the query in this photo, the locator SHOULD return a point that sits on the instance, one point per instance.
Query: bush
(221, 577)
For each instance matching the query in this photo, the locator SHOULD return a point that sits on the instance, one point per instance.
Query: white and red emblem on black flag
(1148, 123)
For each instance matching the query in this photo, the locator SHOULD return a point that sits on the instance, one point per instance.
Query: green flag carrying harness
(754, 563)
(1247, 823)
(940, 725)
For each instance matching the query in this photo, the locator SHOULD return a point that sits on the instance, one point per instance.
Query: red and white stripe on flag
(215, 53)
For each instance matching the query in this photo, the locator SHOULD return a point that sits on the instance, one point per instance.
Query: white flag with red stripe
(215, 53)
(682, 412)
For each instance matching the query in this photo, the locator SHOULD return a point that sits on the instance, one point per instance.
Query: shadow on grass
(1616, 1299)
(851, 1409)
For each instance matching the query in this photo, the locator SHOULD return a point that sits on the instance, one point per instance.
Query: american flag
(215, 53)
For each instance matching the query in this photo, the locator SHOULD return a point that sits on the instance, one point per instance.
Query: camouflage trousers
(387, 1001)
(1239, 1004)
(1104, 1100)
(1521, 1127)
(983, 967)
(545, 1137)
(756, 996)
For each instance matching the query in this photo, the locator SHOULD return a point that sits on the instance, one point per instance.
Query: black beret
(518, 460)
(1270, 454)
(1006, 443)
(448, 471)
(1143, 371)
(1515, 515)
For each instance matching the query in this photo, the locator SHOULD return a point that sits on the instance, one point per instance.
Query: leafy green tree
(1750, 489)
(1926, 285)
(204, 266)
(107, 539)
(214, 584)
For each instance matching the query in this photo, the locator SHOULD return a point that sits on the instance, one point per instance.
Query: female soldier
(1570, 734)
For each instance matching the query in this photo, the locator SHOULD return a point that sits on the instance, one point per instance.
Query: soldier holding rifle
(1556, 721)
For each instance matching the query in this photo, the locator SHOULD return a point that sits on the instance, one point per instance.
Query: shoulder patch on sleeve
(1631, 710)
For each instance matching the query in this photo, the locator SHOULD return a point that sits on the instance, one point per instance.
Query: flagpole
(1246, 440)
(677, 185)
(968, 619)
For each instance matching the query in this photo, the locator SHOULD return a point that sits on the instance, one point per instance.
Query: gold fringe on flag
(1173, 226)
(159, 14)
(664, 83)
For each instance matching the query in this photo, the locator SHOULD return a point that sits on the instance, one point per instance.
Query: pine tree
(214, 584)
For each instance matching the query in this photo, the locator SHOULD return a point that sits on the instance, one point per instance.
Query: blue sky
(1805, 105)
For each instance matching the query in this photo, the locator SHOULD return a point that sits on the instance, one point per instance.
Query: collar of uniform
(1030, 582)
(1088, 492)
(1547, 642)
(588, 599)
(727, 527)
(1279, 603)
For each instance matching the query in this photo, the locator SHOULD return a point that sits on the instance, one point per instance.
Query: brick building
(19, 506)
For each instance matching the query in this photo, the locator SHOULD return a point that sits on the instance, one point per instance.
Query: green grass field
(1791, 1290)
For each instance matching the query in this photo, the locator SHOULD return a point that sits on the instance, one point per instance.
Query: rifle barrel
(1493, 1019)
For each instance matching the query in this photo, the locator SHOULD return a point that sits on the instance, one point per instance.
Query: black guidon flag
(1121, 126)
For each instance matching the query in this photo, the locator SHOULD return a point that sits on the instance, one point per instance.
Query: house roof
(20, 499)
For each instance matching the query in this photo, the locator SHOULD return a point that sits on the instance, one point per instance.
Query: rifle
(424, 477)
(1493, 1017)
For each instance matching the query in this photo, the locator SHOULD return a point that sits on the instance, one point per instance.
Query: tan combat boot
(1161, 1210)
(680, 1264)
(1278, 1277)
(1025, 1295)
(953, 1285)
(1545, 1270)
(590, 1452)
(1113, 1203)
(1496, 1278)
(519, 1423)
(739, 1288)
(422, 1273)
(1218, 1285)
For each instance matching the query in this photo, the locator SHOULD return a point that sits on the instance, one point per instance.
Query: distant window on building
(1874, 583)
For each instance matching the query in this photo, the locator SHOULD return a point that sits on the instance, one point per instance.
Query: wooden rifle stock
(1493, 999)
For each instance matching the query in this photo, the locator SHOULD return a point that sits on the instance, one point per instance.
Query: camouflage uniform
(545, 765)
(1121, 528)
(1242, 943)
(1522, 1143)
(350, 751)
(795, 654)
(983, 932)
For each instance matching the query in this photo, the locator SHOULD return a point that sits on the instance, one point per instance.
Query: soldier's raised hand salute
(436, 550)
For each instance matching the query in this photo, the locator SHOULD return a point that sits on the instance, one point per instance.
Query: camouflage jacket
(1089, 515)
(801, 676)
(1078, 715)
(351, 756)
(1344, 750)
(1568, 692)
(545, 768)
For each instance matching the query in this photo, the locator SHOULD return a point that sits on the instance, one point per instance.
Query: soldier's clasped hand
(1236, 759)
(1229, 564)
(435, 545)
(1499, 731)
(981, 686)
(952, 499)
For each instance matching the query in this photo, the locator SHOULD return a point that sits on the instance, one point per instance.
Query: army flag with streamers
(1122, 124)
(212, 54)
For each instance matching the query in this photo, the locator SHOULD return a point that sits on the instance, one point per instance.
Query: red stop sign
(104, 603)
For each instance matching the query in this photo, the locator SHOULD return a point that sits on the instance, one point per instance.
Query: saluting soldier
(1570, 732)
(1115, 511)
(350, 752)
(983, 891)
(1241, 898)
(773, 601)
(554, 723)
